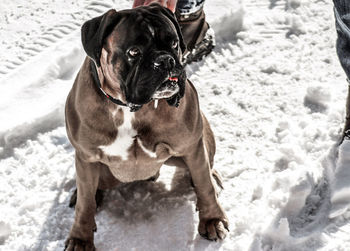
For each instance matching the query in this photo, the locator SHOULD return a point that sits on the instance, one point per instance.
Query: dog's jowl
(130, 110)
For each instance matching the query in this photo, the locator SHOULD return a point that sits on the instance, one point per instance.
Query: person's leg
(342, 16)
(346, 130)
(170, 4)
(198, 36)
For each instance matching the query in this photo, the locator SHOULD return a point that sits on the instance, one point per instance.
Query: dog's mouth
(167, 89)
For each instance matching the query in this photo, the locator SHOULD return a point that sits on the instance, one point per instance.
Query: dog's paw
(213, 229)
(74, 244)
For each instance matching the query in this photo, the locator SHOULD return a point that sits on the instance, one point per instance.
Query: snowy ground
(274, 94)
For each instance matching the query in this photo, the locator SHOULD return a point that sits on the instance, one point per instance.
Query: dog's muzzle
(168, 88)
(164, 63)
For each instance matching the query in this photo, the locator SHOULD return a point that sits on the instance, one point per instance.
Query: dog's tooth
(155, 104)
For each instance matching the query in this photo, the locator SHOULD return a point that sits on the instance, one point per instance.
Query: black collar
(133, 107)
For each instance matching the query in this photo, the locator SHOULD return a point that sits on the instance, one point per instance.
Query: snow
(340, 186)
(273, 92)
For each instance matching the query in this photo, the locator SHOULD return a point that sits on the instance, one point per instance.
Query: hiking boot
(198, 36)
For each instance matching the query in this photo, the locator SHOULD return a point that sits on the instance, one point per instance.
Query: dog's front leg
(212, 219)
(81, 236)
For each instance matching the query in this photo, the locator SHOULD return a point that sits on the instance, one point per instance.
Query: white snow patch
(33, 95)
(228, 25)
(5, 231)
(317, 98)
(340, 197)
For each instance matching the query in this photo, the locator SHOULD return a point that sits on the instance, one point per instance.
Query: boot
(198, 36)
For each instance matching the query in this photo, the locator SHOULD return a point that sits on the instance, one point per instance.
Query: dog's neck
(109, 82)
(99, 80)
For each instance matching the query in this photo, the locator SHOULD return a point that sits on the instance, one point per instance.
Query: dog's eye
(175, 44)
(133, 52)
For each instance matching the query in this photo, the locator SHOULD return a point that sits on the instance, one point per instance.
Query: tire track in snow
(270, 19)
(51, 35)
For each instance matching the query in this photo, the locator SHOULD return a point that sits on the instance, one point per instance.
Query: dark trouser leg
(198, 37)
(346, 131)
(193, 27)
(342, 11)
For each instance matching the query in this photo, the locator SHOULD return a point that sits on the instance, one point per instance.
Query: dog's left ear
(94, 31)
(172, 18)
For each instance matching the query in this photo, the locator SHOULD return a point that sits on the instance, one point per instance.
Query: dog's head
(139, 52)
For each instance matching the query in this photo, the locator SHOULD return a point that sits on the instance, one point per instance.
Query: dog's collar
(133, 108)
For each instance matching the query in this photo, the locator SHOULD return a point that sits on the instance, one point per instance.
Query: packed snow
(273, 92)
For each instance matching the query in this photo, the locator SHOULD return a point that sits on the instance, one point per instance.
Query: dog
(132, 109)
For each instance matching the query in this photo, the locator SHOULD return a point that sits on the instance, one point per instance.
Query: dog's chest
(126, 136)
(127, 156)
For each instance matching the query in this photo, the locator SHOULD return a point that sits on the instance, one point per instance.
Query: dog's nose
(164, 62)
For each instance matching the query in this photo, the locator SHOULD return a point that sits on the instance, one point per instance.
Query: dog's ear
(94, 31)
(172, 18)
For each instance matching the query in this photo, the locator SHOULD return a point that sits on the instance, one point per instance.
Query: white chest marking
(148, 152)
(125, 137)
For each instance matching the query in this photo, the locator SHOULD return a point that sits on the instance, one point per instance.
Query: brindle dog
(130, 110)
